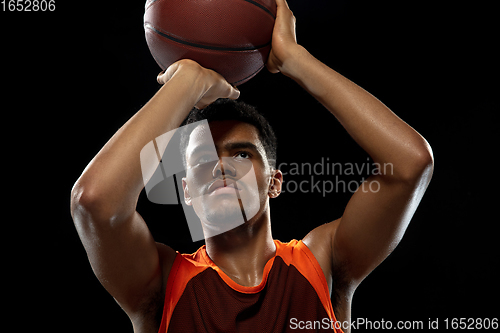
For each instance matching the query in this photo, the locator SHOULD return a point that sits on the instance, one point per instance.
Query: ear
(275, 184)
(187, 197)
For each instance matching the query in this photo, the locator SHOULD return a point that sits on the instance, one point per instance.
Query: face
(228, 177)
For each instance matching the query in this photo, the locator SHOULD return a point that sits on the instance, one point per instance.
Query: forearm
(383, 135)
(112, 181)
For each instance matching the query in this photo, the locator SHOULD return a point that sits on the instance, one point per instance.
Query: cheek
(195, 182)
(263, 184)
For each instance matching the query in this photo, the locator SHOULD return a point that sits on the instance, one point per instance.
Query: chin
(225, 212)
(219, 216)
(219, 221)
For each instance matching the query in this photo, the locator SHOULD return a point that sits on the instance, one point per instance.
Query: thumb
(166, 74)
(160, 77)
(234, 93)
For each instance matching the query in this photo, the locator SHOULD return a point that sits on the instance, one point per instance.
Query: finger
(282, 3)
(284, 11)
(160, 77)
(222, 91)
(167, 73)
(226, 89)
(234, 93)
(231, 93)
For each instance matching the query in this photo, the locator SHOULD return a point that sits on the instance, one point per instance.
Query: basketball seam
(264, 8)
(149, 4)
(249, 76)
(215, 48)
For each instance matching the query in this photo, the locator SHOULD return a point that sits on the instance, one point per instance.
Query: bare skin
(251, 243)
(134, 269)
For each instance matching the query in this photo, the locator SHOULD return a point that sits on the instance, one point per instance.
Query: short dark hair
(228, 109)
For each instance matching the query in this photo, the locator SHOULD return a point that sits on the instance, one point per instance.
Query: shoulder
(320, 243)
(149, 314)
(177, 266)
(176, 270)
(167, 257)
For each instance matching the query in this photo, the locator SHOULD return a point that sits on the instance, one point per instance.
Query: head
(230, 165)
(227, 109)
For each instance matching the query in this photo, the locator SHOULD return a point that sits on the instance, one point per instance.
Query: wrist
(189, 81)
(293, 65)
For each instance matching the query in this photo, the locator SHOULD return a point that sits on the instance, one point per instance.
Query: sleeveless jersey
(292, 297)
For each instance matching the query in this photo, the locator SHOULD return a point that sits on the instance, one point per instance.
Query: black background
(72, 77)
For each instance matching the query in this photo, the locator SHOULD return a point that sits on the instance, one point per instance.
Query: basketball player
(243, 280)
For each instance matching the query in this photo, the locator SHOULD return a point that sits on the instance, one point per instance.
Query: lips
(227, 185)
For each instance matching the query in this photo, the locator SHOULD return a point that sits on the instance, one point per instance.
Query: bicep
(124, 257)
(373, 223)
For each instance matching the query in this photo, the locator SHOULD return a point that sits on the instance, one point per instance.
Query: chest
(208, 304)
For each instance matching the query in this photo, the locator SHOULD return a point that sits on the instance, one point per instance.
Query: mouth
(223, 186)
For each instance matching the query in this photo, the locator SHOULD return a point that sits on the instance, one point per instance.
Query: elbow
(421, 165)
(425, 165)
(82, 199)
(418, 166)
(88, 205)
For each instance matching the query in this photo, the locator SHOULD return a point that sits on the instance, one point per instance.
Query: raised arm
(374, 220)
(121, 250)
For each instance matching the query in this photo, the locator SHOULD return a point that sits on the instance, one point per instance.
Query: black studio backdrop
(72, 77)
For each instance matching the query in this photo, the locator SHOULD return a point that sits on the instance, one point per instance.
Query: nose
(224, 168)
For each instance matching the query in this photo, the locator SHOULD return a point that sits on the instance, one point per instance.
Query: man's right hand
(213, 85)
(124, 256)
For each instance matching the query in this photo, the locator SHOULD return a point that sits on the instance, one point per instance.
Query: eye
(203, 159)
(242, 155)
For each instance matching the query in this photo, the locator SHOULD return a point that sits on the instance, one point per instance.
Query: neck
(243, 252)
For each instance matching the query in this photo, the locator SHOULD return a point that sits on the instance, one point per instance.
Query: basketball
(231, 37)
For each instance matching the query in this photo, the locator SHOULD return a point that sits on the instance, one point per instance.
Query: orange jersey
(293, 294)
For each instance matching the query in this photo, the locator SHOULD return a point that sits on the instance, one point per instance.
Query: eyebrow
(241, 145)
(205, 147)
(228, 146)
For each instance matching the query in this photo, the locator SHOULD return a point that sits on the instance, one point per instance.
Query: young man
(243, 280)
